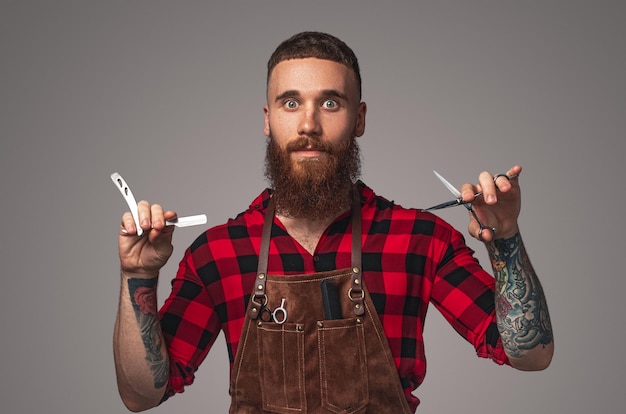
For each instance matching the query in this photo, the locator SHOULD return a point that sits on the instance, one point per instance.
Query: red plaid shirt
(410, 259)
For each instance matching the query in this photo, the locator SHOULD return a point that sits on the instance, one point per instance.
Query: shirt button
(316, 258)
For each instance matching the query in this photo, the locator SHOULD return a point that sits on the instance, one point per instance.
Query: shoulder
(385, 207)
(381, 212)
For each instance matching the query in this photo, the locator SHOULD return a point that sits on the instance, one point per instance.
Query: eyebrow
(326, 92)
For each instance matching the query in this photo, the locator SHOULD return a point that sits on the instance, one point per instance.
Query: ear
(266, 116)
(360, 119)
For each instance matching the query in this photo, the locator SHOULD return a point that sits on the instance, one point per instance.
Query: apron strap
(356, 289)
(259, 297)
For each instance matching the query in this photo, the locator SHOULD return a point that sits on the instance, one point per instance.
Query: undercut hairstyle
(316, 45)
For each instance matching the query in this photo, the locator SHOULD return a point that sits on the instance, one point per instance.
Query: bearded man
(321, 286)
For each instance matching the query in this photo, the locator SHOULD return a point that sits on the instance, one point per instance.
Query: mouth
(306, 149)
(308, 153)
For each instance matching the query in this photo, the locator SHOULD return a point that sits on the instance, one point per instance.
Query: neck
(306, 231)
(306, 223)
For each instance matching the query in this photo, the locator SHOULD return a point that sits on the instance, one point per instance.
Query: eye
(330, 104)
(290, 104)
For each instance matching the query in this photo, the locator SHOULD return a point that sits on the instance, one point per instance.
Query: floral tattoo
(143, 299)
(521, 308)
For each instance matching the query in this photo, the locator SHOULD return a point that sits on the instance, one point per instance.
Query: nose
(309, 124)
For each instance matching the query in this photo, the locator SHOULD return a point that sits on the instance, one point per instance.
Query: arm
(141, 359)
(521, 307)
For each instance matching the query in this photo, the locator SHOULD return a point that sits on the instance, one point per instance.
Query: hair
(315, 45)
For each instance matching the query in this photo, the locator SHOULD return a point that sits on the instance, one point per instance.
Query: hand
(499, 206)
(144, 256)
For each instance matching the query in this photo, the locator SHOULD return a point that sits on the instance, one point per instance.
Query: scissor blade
(447, 204)
(449, 186)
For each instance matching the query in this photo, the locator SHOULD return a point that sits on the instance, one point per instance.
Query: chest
(307, 239)
(304, 232)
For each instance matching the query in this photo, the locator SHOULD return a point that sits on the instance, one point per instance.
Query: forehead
(311, 74)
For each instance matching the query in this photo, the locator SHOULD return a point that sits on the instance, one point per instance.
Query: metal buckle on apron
(259, 301)
(259, 298)
(355, 293)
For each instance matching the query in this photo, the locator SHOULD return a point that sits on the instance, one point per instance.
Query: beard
(312, 188)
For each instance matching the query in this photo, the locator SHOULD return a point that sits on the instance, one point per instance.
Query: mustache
(302, 143)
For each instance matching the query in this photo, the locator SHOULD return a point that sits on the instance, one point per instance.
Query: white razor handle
(124, 189)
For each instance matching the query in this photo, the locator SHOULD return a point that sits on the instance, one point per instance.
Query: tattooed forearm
(143, 298)
(521, 308)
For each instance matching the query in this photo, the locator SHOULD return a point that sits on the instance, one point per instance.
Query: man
(321, 286)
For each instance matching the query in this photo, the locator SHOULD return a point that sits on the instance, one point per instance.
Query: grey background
(170, 95)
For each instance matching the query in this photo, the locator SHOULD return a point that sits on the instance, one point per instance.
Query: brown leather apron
(299, 362)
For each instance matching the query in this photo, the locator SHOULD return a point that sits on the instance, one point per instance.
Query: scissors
(458, 201)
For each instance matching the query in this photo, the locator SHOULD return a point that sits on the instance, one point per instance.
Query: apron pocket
(343, 365)
(281, 367)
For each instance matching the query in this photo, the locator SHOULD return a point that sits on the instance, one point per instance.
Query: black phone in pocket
(330, 299)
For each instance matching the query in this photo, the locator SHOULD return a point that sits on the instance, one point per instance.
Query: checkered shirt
(410, 258)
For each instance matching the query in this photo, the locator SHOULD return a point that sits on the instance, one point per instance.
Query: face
(312, 117)
(314, 99)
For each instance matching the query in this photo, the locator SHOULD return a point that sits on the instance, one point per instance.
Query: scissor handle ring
(483, 227)
(265, 314)
(495, 177)
(280, 310)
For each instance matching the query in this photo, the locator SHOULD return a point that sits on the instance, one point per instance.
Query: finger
(514, 171)
(485, 234)
(128, 224)
(170, 215)
(157, 215)
(504, 182)
(488, 187)
(161, 234)
(144, 212)
(468, 191)
(479, 235)
(479, 229)
(474, 229)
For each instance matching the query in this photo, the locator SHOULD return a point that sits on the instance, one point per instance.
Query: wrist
(505, 247)
(507, 232)
(147, 275)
